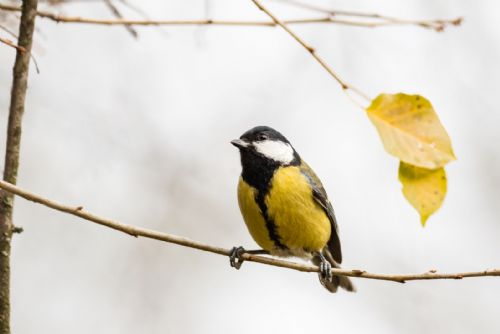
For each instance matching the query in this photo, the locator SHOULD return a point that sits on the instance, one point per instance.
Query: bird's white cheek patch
(276, 150)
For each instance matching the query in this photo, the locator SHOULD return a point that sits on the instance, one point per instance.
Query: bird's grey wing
(321, 198)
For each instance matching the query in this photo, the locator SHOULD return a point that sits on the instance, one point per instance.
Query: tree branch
(8, 31)
(20, 49)
(146, 233)
(326, 20)
(345, 86)
(13, 146)
(114, 10)
(11, 44)
(380, 20)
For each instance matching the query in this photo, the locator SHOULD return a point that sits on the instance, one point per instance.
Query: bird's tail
(335, 281)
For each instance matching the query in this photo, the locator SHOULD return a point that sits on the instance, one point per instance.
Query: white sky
(139, 131)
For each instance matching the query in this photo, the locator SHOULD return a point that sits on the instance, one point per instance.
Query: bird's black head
(262, 151)
(261, 133)
(266, 143)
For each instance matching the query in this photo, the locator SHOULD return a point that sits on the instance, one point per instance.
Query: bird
(285, 206)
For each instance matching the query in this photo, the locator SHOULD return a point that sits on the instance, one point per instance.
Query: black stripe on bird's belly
(270, 225)
(258, 172)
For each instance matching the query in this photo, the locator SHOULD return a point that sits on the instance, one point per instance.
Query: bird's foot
(235, 257)
(325, 269)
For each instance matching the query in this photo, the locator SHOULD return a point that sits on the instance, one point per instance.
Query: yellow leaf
(410, 130)
(425, 189)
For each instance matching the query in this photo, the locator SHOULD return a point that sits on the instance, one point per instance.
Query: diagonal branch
(114, 10)
(345, 86)
(146, 233)
(8, 42)
(11, 44)
(8, 31)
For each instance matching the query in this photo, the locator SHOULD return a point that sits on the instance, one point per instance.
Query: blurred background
(138, 130)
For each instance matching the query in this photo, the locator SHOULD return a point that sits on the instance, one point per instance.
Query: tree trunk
(16, 110)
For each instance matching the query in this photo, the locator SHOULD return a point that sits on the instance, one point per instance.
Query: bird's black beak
(239, 143)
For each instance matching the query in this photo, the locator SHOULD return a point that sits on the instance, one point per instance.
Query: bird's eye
(262, 136)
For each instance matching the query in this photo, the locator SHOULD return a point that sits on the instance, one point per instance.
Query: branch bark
(14, 126)
(325, 19)
(146, 233)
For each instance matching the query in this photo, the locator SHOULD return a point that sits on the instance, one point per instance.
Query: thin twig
(21, 49)
(437, 25)
(318, 20)
(8, 31)
(12, 151)
(116, 12)
(345, 86)
(146, 233)
(135, 8)
(11, 44)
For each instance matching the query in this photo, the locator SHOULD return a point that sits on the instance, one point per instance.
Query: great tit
(285, 207)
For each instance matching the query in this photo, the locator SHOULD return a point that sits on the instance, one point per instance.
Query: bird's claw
(235, 257)
(325, 270)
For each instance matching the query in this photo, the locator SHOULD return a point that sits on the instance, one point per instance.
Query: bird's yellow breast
(300, 223)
